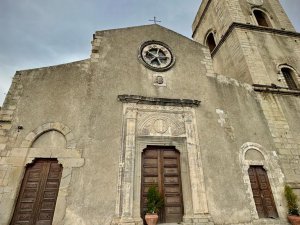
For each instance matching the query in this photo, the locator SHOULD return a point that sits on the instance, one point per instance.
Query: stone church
(214, 122)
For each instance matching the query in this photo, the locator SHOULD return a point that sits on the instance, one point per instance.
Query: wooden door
(262, 192)
(38, 193)
(161, 167)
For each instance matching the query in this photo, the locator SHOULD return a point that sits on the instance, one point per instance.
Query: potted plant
(292, 204)
(154, 203)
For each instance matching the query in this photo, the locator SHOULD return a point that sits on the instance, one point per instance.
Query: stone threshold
(168, 223)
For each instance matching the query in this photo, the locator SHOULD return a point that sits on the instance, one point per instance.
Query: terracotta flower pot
(151, 219)
(295, 220)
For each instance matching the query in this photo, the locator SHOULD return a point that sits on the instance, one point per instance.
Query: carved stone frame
(18, 158)
(275, 175)
(137, 135)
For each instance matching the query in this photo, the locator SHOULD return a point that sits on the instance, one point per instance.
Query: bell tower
(252, 41)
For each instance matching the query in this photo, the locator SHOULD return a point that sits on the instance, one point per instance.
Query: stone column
(195, 165)
(125, 202)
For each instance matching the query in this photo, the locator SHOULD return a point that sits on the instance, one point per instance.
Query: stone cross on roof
(155, 20)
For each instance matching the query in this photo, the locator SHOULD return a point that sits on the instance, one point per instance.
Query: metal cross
(155, 20)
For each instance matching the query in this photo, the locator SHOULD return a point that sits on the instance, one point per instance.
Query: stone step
(168, 223)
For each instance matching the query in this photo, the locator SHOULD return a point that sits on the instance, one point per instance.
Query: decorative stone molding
(59, 127)
(158, 101)
(269, 162)
(145, 125)
(249, 146)
(246, 27)
(274, 89)
(161, 49)
(156, 124)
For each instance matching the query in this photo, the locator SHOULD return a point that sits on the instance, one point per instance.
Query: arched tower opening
(289, 78)
(261, 18)
(210, 42)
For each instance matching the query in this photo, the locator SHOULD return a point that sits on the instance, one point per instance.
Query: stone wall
(230, 59)
(255, 56)
(281, 113)
(217, 18)
(278, 15)
(8, 133)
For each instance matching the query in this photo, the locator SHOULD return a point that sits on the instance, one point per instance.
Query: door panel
(161, 167)
(38, 193)
(262, 192)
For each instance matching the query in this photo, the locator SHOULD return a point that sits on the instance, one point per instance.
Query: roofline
(53, 66)
(124, 28)
(158, 25)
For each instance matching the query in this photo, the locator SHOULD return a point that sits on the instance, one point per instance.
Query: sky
(38, 33)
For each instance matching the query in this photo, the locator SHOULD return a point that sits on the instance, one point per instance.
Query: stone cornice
(255, 28)
(158, 101)
(274, 89)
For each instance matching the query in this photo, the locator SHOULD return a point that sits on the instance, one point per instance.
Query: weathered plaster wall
(224, 126)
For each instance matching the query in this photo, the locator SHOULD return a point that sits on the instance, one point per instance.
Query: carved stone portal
(145, 125)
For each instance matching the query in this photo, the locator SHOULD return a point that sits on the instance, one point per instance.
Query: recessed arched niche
(253, 154)
(50, 139)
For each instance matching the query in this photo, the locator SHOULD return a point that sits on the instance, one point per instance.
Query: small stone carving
(160, 126)
(159, 80)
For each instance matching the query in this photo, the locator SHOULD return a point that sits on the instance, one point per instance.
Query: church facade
(213, 122)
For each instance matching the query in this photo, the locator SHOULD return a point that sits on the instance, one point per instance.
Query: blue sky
(38, 33)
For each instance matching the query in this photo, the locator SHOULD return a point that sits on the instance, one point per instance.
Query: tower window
(261, 18)
(210, 42)
(289, 79)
